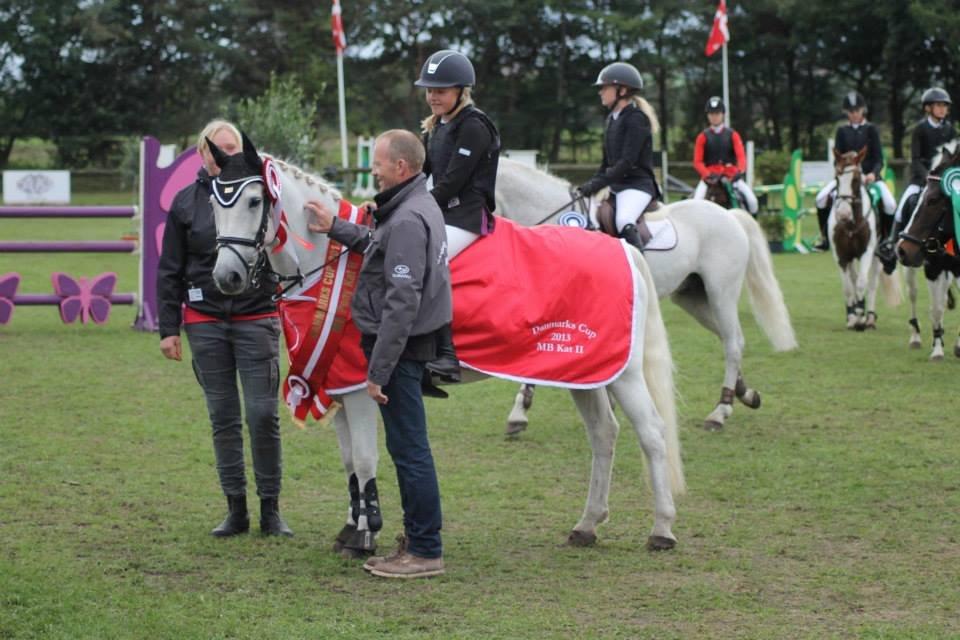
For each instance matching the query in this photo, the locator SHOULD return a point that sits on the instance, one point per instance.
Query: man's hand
(376, 392)
(171, 348)
(319, 218)
(870, 178)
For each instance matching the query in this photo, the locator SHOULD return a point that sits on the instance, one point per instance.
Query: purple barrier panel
(43, 299)
(92, 246)
(68, 212)
(158, 186)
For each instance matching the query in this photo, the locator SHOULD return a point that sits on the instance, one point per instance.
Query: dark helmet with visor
(621, 74)
(446, 68)
(854, 100)
(715, 105)
(935, 94)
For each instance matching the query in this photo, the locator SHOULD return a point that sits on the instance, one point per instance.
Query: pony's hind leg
(638, 405)
(695, 302)
(602, 429)
(517, 420)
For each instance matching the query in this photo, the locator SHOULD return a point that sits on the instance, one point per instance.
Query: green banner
(792, 202)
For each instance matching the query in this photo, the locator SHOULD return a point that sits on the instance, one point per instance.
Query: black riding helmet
(935, 94)
(446, 68)
(854, 100)
(622, 74)
(714, 105)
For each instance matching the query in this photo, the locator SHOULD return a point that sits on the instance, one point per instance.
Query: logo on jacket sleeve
(401, 271)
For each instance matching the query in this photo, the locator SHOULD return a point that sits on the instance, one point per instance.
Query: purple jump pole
(117, 246)
(38, 299)
(68, 212)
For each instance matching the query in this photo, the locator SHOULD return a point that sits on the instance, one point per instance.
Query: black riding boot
(886, 250)
(822, 216)
(447, 365)
(237, 521)
(271, 522)
(630, 234)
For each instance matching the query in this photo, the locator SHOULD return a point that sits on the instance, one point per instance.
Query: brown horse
(853, 227)
(720, 191)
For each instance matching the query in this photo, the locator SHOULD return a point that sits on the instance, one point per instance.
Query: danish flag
(719, 34)
(336, 23)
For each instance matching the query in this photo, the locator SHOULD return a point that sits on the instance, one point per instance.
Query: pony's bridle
(854, 198)
(227, 192)
(931, 244)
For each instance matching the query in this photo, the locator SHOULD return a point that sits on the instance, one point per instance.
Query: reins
(578, 200)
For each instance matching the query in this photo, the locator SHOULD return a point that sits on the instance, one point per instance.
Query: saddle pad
(664, 235)
(549, 305)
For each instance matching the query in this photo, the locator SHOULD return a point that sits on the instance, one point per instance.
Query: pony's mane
(947, 147)
(311, 180)
(532, 172)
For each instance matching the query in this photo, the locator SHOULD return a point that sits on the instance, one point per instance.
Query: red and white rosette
(271, 178)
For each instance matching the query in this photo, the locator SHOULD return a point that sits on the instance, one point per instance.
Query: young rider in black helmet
(463, 150)
(627, 166)
(853, 136)
(934, 130)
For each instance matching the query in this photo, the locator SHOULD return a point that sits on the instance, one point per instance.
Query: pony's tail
(766, 298)
(658, 373)
(648, 111)
(890, 282)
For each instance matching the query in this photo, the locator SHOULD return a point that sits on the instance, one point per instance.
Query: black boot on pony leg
(631, 234)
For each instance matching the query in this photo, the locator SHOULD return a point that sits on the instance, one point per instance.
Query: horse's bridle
(227, 192)
(931, 244)
(855, 199)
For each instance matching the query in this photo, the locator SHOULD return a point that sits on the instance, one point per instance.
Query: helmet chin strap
(456, 105)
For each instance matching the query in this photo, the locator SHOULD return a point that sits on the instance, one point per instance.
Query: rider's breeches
(630, 204)
(458, 239)
(901, 215)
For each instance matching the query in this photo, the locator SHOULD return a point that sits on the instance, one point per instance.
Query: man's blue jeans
(405, 423)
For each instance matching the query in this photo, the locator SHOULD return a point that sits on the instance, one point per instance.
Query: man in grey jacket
(402, 299)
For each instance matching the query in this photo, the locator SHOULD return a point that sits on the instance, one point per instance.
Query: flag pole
(343, 112)
(726, 88)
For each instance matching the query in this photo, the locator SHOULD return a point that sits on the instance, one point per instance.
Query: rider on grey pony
(627, 166)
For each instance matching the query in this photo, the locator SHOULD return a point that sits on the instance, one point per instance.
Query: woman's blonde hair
(431, 121)
(648, 111)
(214, 127)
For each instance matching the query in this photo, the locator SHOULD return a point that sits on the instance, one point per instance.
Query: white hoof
(915, 341)
(717, 417)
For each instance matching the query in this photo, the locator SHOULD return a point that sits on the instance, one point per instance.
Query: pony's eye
(255, 202)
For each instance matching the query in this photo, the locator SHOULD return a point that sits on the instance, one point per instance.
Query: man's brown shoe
(407, 565)
(401, 548)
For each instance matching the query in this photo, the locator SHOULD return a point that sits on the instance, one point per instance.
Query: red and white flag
(719, 34)
(336, 23)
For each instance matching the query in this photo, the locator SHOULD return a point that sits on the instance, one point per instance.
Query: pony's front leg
(873, 270)
(602, 429)
(848, 277)
(915, 339)
(517, 420)
(938, 307)
(360, 417)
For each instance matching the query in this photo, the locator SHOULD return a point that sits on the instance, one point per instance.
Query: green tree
(281, 121)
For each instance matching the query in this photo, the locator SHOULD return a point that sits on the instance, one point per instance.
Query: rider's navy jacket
(186, 263)
(924, 142)
(627, 154)
(851, 138)
(462, 157)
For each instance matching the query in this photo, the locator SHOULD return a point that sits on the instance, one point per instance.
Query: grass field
(833, 511)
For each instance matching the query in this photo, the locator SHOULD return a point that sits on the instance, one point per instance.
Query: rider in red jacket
(719, 151)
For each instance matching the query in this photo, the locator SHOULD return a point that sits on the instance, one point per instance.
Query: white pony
(852, 225)
(644, 390)
(703, 274)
